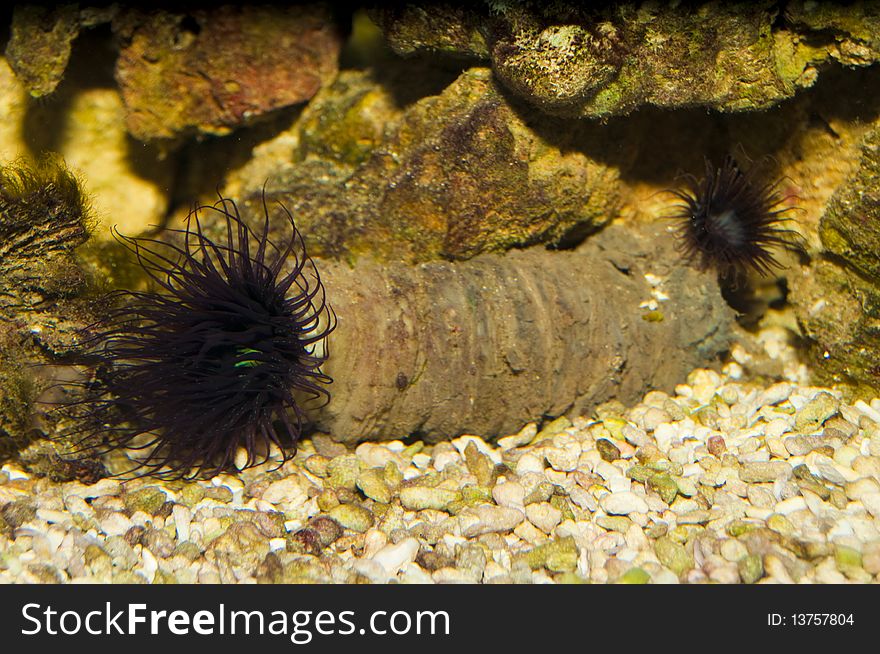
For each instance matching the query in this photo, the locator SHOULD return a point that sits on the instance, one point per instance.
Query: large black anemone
(220, 355)
(730, 221)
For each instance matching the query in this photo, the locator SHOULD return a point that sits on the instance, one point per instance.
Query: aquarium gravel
(725, 480)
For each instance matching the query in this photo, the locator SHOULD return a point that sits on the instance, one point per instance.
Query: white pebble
(867, 410)
(510, 494)
(372, 570)
(374, 541)
(758, 513)
(289, 491)
(529, 463)
(523, 437)
(665, 434)
(623, 503)
(871, 501)
(619, 484)
(14, 473)
(776, 428)
(421, 461)
(485, 519)
(393, 558)
(446, 458)
(414, 574)
(54, 517)
(775, 394)
(792, 504)
(563, 459)
(375, 456)
(292, 525)
(149, 565)
(115, 524)
(544, 516)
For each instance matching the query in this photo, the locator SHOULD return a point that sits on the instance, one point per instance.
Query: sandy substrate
(723, 481)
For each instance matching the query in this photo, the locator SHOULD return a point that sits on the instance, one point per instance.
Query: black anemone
(729, 221)
(221, 355)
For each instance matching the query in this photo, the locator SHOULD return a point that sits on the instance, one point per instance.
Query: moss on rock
(39, 45)
(838, 300)
(449, 176)
(577, 60)
(209, 70)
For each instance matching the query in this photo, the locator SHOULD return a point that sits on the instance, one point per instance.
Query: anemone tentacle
(728, 221)
(222, 354)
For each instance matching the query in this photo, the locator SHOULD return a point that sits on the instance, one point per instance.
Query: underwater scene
(421, 292)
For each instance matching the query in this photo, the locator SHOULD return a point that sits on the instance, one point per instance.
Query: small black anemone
(221, 355)
(730, 222)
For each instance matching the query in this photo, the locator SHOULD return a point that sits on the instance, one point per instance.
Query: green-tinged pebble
(559, 555)
(634, 576)
(847, 558)
(372, 484)
(220, 493)
(570, 578)
(664, 485)
(343, 471)
(471, 494)
(680, 534)
(838, 499)
(657, 530)
(188, 550)
(478, 464)
(191, 494)
(639, 473)
(352, 516)
(618, 523)
(615, 427)
(780, 524)
(559, 502)
(149, 500)
(327, 499)
(393, 475)
(673, 555)
(318, 465)
(739, 527)
(416, 498)
(751, 568)
(607, 450)
(819, 489)
(554, 427)
(816, 412)
(541, 493)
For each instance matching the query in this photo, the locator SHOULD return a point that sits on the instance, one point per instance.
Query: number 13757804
(810, 619)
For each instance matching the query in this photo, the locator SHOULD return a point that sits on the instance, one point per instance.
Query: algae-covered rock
(850, 228)
(854, 25)
(44, 217)
(838, 297)
(450, 176)
(39, 45)
(210, 70)
(598, 61)
(438, 27)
